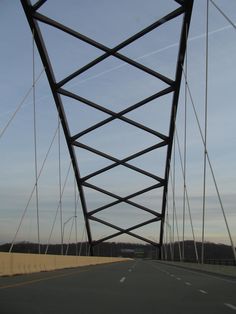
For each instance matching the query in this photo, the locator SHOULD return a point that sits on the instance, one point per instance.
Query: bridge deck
(141, 286)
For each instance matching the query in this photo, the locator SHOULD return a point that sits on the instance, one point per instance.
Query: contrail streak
(151, 53)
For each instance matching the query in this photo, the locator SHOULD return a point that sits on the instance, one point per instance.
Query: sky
(116, 85)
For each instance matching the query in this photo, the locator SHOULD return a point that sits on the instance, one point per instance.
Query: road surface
(140, 286)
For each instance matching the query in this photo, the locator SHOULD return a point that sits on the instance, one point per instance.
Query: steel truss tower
(58, 88)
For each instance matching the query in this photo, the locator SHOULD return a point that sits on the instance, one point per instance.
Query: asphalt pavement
(137, 286)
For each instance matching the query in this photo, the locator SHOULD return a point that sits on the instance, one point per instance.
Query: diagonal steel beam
(113, 51)
(113, 115)
(125, 111)
(121, 199)
(127, 231)
(116, 163)
(109, 52)
(128, 197)
(29, 11)
(187, 4)
(33, 17)
(38, 4)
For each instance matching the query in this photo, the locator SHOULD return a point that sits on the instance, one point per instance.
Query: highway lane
(128, 287)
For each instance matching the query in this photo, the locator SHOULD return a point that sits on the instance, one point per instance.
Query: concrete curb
(217, 270)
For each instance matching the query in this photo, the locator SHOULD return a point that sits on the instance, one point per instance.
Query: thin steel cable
(164, 247)
(169, 226)
(76, 218)
(187, 197)
(58, 206)
(205, 137)
(35, 148)
(211, 170)
(20, 105)
(59, 178)
(166, 229)
(81, 243)
(175, 216)
(112, 69)
(68, 242)
(33, 190)
(173, 202)
(185, 142)
(224, 15)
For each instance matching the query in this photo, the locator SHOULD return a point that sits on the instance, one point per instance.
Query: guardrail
(229, 262)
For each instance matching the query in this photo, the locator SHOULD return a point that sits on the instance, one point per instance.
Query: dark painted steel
(181, 2)
(188, 4)
(127, 231)
(121, 199)
(38, 4)
(56, 87)
(111, 113)
(108, 51)
(29, 11)
(116, 161)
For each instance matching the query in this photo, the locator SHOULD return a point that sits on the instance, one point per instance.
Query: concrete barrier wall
(19, 263)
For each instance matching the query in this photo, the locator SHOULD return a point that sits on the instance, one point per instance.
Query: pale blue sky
(115, 85)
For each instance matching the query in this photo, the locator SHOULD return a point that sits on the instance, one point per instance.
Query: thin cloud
(151, 53)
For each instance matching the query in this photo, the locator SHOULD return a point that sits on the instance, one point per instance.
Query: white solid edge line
(122, 279)
(203, 291)
(201, 274)
(231, 306)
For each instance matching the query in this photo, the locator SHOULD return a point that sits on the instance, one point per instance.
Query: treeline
(82, 248)
(212, 251)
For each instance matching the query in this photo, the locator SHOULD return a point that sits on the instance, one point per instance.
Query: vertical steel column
(29, 12)
(188, 5)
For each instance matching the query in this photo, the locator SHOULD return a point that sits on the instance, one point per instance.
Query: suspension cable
(211, 169)
(164, 246)
(76, 218)
(175, 215)
(169, 226)
(173, 201)
(33, 190)
(20, 105)
(187, 197)
(58, 206)
(224, 15)
(68, 243)
(81, 242)
(185, 142)
(35, 147)
(59, 178)
(205, 137)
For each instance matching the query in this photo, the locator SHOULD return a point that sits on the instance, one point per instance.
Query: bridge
(117, 157)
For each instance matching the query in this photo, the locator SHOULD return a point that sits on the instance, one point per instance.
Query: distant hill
(213, 252)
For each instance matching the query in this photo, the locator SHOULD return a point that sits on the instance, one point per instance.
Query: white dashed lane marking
(203, 291)
(188, 283)
(231, 306)
(122, 279)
